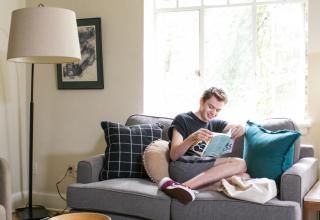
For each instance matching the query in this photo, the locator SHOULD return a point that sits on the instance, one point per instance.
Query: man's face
(210, 108)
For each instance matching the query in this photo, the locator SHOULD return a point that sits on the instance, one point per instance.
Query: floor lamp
(48, 36)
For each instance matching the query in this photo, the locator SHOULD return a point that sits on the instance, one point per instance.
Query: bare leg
(216, 185)
(210, 187)
(223, 168)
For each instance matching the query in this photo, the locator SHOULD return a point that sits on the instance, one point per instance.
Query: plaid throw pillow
(125, 146)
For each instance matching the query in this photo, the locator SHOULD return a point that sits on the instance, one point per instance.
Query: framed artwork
(88, 72)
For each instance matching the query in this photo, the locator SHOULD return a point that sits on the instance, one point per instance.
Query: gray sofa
(5, 191)
(140, 198)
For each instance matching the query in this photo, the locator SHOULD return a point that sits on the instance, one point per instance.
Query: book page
(219, 145)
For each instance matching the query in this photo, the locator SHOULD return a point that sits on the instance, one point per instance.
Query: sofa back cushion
(272, 124)
(145, 119)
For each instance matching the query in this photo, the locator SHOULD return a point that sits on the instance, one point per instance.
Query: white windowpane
(281, 59)
(256, 52)
(240, 1)
(228, 54)
(188, 3)
(214, 2)
(269, 0)
(166, 3)
(178, 57)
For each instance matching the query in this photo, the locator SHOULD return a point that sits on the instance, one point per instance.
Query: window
(254, 49)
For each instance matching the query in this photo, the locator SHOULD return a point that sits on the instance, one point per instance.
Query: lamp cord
(57, 184)
(58, 190)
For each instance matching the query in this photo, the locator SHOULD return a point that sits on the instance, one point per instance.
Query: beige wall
(67, 122)
(12, 104)
(313, 136)
(314, 75)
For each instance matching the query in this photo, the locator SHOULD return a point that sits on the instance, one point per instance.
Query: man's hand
(237, 131)
(202, 134)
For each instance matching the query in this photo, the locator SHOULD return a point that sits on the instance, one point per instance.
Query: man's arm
(179, 146)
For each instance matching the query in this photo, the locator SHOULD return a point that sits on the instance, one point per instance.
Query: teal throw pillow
(268, 153)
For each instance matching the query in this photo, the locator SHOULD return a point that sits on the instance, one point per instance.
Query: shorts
(188, 167)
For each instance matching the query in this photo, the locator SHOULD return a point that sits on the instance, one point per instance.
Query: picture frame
(88, 72)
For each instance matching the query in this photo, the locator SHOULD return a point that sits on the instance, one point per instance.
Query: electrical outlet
(71, 170)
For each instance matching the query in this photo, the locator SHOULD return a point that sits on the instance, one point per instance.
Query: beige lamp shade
(43, 35)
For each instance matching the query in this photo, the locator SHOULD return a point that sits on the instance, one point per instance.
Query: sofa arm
(306, 150)
(89, 169)
(299, 179)
(5, 190)
(2, 212)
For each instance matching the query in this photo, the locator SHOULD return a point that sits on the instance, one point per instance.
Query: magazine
(220, 144)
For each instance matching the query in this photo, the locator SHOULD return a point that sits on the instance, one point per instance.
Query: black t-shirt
(188, 123)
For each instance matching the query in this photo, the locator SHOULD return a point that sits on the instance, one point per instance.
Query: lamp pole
(30, 212)
(31, 141)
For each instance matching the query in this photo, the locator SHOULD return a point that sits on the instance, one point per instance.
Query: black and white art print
(88, 72)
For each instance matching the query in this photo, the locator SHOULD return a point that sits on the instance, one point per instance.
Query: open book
(220, 144)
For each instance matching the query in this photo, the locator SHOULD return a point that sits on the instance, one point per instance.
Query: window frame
(305, 124)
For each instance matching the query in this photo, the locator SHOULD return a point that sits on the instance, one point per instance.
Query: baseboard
(51, 201)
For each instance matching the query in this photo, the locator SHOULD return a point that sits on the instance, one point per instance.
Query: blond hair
(220, 94)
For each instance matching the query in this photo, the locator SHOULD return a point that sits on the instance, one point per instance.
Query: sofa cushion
(125, 146)
(125, 196)
(213, 205)
(268, 153)
(156, 160)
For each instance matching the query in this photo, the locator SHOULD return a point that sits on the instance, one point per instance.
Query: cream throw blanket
(259, 190)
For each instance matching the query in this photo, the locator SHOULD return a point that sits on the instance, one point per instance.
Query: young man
(191, 129)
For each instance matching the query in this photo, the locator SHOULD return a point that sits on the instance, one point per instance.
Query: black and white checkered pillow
(125, 146)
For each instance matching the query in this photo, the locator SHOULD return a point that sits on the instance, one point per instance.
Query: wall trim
(51, 201)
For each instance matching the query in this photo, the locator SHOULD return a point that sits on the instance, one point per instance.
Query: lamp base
(36, 213)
